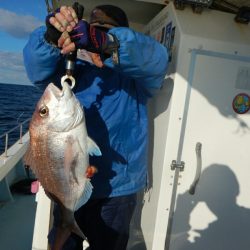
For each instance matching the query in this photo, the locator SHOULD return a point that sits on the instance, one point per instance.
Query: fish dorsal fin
(93, 149)
(85, 195)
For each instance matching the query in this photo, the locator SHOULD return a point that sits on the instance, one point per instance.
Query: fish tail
(76, 229)
(66, 226)
(62, 235)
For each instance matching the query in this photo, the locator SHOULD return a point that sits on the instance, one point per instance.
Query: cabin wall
(212, 60)
(186, 34)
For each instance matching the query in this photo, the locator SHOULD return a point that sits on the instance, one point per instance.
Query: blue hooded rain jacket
(114, 99)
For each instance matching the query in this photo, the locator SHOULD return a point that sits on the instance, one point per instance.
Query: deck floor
(17, 223)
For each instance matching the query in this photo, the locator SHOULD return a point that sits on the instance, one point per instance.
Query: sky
(18, 18)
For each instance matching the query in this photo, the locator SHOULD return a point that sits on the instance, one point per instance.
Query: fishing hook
(71, 78)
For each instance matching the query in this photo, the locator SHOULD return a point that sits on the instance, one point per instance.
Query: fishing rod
(49, 8)
(71, 56)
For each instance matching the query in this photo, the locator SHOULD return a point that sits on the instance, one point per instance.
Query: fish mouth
(59, 93)
(55, 91)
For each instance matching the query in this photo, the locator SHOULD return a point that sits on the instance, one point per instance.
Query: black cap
(109, 14)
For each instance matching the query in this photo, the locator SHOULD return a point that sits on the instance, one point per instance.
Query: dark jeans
(105, 222)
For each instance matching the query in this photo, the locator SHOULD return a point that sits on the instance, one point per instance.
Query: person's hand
(65, 42)
(91, 57)
(96, 59)
(64, 19)
(83, 36)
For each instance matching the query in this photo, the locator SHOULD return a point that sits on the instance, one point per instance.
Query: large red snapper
(58, 154)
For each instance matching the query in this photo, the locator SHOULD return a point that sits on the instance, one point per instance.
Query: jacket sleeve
(41, 60)
(140, 57)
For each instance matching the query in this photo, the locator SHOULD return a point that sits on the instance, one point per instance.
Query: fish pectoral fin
(85, 194)
(93, 149)
(71, 155)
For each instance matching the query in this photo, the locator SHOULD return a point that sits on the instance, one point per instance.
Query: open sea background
(17, 104)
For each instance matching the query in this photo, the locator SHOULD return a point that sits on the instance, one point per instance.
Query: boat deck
(17, 219)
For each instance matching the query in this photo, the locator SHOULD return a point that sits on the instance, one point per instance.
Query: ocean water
(17, 104)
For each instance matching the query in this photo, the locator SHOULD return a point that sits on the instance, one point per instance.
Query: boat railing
(6, 135)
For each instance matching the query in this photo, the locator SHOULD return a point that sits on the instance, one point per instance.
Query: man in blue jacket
(124, 69)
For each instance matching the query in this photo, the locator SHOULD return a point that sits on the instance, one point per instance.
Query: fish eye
(43, 111)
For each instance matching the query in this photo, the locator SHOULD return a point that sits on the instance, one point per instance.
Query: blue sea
(17, 104)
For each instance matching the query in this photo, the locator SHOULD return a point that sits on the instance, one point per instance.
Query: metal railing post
(6, 144)
(21, 134)
(6, 135)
